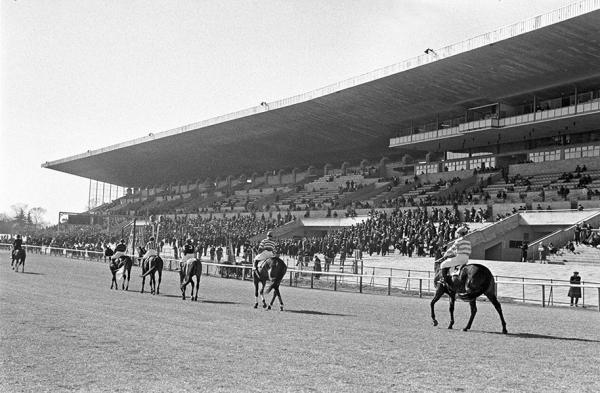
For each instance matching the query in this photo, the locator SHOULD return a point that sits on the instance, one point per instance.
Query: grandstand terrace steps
(583, 254)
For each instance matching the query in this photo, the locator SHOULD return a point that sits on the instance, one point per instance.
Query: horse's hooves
(435, 323)
(465, 330)
(264, 306)
(256, 305)
(268, 308)
(450, 327)
(504, 331)
(281, 308)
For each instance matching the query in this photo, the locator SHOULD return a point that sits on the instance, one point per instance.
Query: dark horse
(273, 270)
(187, 271)
(18, 258)
(473, 281)
(151, 265)
(123, 262)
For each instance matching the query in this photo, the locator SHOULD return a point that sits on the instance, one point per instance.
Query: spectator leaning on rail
(457, 255)
(266, 250)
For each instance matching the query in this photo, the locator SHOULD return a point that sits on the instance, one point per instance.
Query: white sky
(78, 75)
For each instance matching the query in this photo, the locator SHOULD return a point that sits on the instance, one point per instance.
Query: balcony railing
(588, 107)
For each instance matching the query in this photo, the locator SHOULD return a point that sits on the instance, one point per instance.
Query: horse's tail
(150, 271)
(279, 276)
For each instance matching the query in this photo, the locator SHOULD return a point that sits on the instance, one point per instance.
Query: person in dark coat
(575, 292)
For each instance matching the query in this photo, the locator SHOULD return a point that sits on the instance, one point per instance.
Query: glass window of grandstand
(552, 155)
(426, 168)
(456, 165)
(482, 163)
(590, 151)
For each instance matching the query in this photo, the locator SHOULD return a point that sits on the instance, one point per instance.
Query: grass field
(62, 329)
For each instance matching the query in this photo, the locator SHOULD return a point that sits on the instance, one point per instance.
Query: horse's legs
(143, 283)
(256, 292)
(153, 284)
(273, 298)
(197, 287)
(279, 297)
(498, 308)
(159, 279)
(262, 293)
(451, 308)
(128, 278)
(23, 266)
(113, 281)
(438, 294)
(473, 304)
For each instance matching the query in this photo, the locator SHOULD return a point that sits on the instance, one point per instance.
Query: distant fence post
(420, 287)
(543, 295)
(389, 285)
(335, 282)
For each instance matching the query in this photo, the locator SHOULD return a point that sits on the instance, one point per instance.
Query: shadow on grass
(34, 273)
(218, 302)
(310, 312)
(548, 337)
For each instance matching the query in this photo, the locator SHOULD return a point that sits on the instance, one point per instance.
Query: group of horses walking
(472, 281)
(190, 272)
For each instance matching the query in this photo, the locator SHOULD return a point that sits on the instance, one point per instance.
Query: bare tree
(37, 216)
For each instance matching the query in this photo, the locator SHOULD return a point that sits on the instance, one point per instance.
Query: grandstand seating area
(336, 193)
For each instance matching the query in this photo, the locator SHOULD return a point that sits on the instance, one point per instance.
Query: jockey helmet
(151, 238)
(269, 234)
(462, 230)
(18, 236)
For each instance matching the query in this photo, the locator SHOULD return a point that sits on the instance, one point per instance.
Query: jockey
(17, 243)
(188, 251)
(457, 255)
(120, 249)
(266, 250)
(151, 248)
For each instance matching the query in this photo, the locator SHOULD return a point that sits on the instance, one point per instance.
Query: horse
(273, 269)
(123, 262)
(473, 281)
(18, 258)
(151, 265)
(187, 271)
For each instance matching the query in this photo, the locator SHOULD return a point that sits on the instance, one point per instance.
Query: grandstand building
(502, 120)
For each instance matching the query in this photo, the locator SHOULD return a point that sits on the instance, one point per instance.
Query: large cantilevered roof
(355, 119)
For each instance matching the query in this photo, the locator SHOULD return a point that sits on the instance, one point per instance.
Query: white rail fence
(516, 289)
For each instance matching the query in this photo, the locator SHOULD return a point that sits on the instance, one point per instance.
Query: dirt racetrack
(62, 329)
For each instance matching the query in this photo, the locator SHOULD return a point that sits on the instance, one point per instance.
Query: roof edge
(531, 24)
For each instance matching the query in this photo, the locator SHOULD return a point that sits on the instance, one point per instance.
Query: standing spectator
(524, 247)
(577, 232)
(575, 292)
(317, 267)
